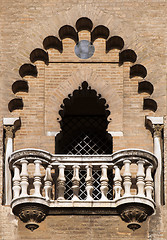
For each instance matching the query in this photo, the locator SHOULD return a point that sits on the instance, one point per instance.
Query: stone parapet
(108, 184)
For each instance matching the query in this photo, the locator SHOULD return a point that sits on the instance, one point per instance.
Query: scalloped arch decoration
(66, 88)
(84, 23)
(145, 86)
(82, 91)
(149, 104)
(127, 55)
(138, 70)
(68, 31)
(114, 42)
(99, 31)
(28, 69)
(53, 42)
(39, 54)
(15, 104)
(20, 86)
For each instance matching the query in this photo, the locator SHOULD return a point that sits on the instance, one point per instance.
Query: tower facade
(83, 116)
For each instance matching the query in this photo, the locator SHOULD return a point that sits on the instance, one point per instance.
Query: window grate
(84, 135)
(88, 143)
(96, 174)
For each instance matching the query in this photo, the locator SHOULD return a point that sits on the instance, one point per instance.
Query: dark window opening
(84, 125)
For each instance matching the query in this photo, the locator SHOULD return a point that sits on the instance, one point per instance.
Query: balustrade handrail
(29, 154)
(117, 158)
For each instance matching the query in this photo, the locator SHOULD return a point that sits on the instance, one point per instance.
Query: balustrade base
(133, 209)
(134, 213)
(30, 212)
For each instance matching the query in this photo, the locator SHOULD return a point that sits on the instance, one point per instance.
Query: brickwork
(23, 27)
(83, 227)
(60, 78)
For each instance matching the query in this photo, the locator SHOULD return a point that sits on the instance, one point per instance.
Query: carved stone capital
(31, 214)
(9, 131)
(155, 125)
(157, 130)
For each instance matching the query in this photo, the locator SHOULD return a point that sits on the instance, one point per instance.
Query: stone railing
(40, 185)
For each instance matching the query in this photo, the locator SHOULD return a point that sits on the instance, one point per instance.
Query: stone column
(89, 183)
(155, 124)
(104, 183)
(61, 183)
(117, 182)
(140, 178)
(75, 182)
(158, 153)
(24, 178)
(48, 183)
(127, 178)
(149, 182)
(10, 126)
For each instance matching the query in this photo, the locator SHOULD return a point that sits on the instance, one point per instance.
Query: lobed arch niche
(84, 122)
(84, 49)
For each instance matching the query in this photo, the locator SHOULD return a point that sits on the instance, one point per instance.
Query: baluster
(149, 182)
(117, 182)
(140, 178)
(16, 182)
(24, 178)
(89, 183)
(75, 182)
(48, 183)
(127, 178)
(37, 179)
(61, 183)
(104, 183)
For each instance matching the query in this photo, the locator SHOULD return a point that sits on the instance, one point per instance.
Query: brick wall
(24, 25)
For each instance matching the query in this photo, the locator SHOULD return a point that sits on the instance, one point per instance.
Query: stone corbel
(155, 125)
(11, 125)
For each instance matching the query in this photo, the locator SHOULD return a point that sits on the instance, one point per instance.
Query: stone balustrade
(132, 181)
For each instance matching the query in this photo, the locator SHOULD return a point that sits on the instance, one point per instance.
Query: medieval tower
(83, 120)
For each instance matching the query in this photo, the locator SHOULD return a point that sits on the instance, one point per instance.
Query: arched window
(84, 131)
(84, 123)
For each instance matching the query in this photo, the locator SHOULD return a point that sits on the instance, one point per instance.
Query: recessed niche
(138, 70)
(68, 31)
(84, 23)
(53, 42)
(84, 49)
(127, 55)
(114, 42)
(14, 104)
(145, 86)
(149, 104)
(28, 69)
(20, 86)
(99, 31)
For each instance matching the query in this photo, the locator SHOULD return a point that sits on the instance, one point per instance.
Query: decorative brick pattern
(23, 27)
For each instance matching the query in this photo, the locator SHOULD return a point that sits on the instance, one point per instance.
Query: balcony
(46, 184)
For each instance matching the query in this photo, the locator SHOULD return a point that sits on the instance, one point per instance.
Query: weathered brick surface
(23, 26)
